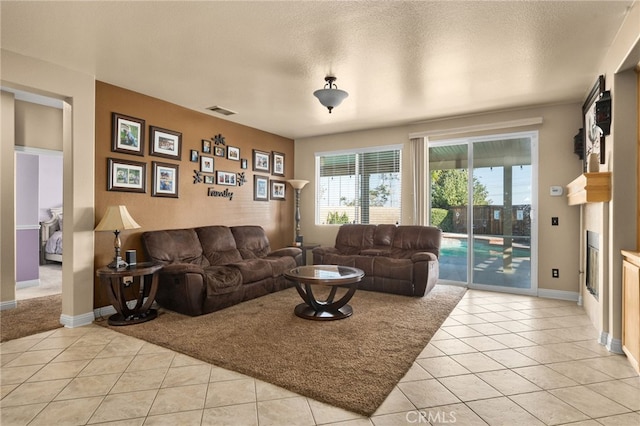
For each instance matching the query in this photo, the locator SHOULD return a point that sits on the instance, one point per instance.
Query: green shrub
(334, 218)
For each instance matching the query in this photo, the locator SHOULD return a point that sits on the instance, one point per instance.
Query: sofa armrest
(182, 268)
(423, 256)
(320, 252)
(182, 288)
(286, 251)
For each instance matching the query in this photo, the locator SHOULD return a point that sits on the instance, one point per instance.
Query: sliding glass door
(482, 196)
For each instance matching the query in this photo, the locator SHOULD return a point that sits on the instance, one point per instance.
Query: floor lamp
(298, 184)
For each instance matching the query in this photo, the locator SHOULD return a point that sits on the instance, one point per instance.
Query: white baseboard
(77, 320)
(614, 345)
(572, 296)
(602, 339)
(11, 304)
(26, 284)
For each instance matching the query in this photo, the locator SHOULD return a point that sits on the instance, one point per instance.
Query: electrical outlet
(555, 273)
(128, 280)
(554, 221)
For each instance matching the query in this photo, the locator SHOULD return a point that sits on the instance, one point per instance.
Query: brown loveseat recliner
(212, 267)
(395, 259)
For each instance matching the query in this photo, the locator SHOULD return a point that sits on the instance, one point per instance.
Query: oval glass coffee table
(305, 277)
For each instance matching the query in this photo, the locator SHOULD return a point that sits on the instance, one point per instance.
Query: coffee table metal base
(324, 310)
(305, 311)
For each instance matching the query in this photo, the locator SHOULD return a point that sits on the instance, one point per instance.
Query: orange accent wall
(193, 207)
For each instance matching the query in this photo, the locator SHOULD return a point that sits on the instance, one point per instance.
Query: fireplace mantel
(590, 188)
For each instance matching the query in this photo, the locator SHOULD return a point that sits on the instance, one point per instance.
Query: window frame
(399, 148)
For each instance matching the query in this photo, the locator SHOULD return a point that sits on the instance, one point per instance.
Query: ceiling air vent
(221, 110)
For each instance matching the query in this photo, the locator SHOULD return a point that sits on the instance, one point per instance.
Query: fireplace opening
(593, 249)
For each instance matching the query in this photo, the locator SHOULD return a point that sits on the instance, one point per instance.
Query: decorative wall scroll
(593, 136)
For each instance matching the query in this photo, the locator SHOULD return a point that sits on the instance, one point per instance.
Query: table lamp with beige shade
(117, 219)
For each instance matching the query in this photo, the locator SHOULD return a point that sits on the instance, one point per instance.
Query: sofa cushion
(383, 236)
(222, 279)
(352, 238)
(174, 246)
(253, 270)
(251, 241)
(218, 245)
(410, 239)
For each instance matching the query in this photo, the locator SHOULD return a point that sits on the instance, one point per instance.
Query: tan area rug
(31, 316)
(352, 363)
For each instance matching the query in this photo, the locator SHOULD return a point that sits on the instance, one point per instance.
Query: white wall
(559, 165)
(78, 136)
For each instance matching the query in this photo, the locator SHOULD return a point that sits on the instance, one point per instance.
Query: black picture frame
(126, 176)
(261, 160)
(277, 163)
(165, 179)
(260, 188)
(127, 134)
(206, 146)
(278, 190)
(206, 164)
(218, 151)
(226, 178)
(233, 153)
(594, 141)
(165, 143)
(243, 163)
(194, 156)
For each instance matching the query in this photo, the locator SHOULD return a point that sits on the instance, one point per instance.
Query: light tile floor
(499, 359)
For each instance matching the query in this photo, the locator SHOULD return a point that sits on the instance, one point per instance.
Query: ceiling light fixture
(330, 96)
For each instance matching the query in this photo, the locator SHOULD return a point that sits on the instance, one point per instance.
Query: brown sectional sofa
(395, 259)
(213, 267)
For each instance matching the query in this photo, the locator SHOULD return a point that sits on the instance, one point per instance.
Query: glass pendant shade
(330, 96)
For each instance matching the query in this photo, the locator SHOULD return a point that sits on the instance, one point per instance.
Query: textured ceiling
(401, 62)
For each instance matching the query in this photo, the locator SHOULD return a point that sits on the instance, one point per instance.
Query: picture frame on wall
(243, 163)
(225, 178)
(165, 179)
(233, 153)
(206, 146)
(127, 134)
(206, 164)
(261, 161)
(194, 156)
(278, 190)
(126, 176)
(218, 151)
(165, 143)
(278, 163)
(209, 180)
(260, 188)
(594, 140)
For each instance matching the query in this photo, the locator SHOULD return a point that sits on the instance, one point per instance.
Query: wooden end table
(305, 277)
(113, 279)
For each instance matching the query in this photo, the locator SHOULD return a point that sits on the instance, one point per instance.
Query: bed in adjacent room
(51, 237)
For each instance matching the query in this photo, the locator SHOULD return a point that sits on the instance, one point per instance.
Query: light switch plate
(556, 191)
